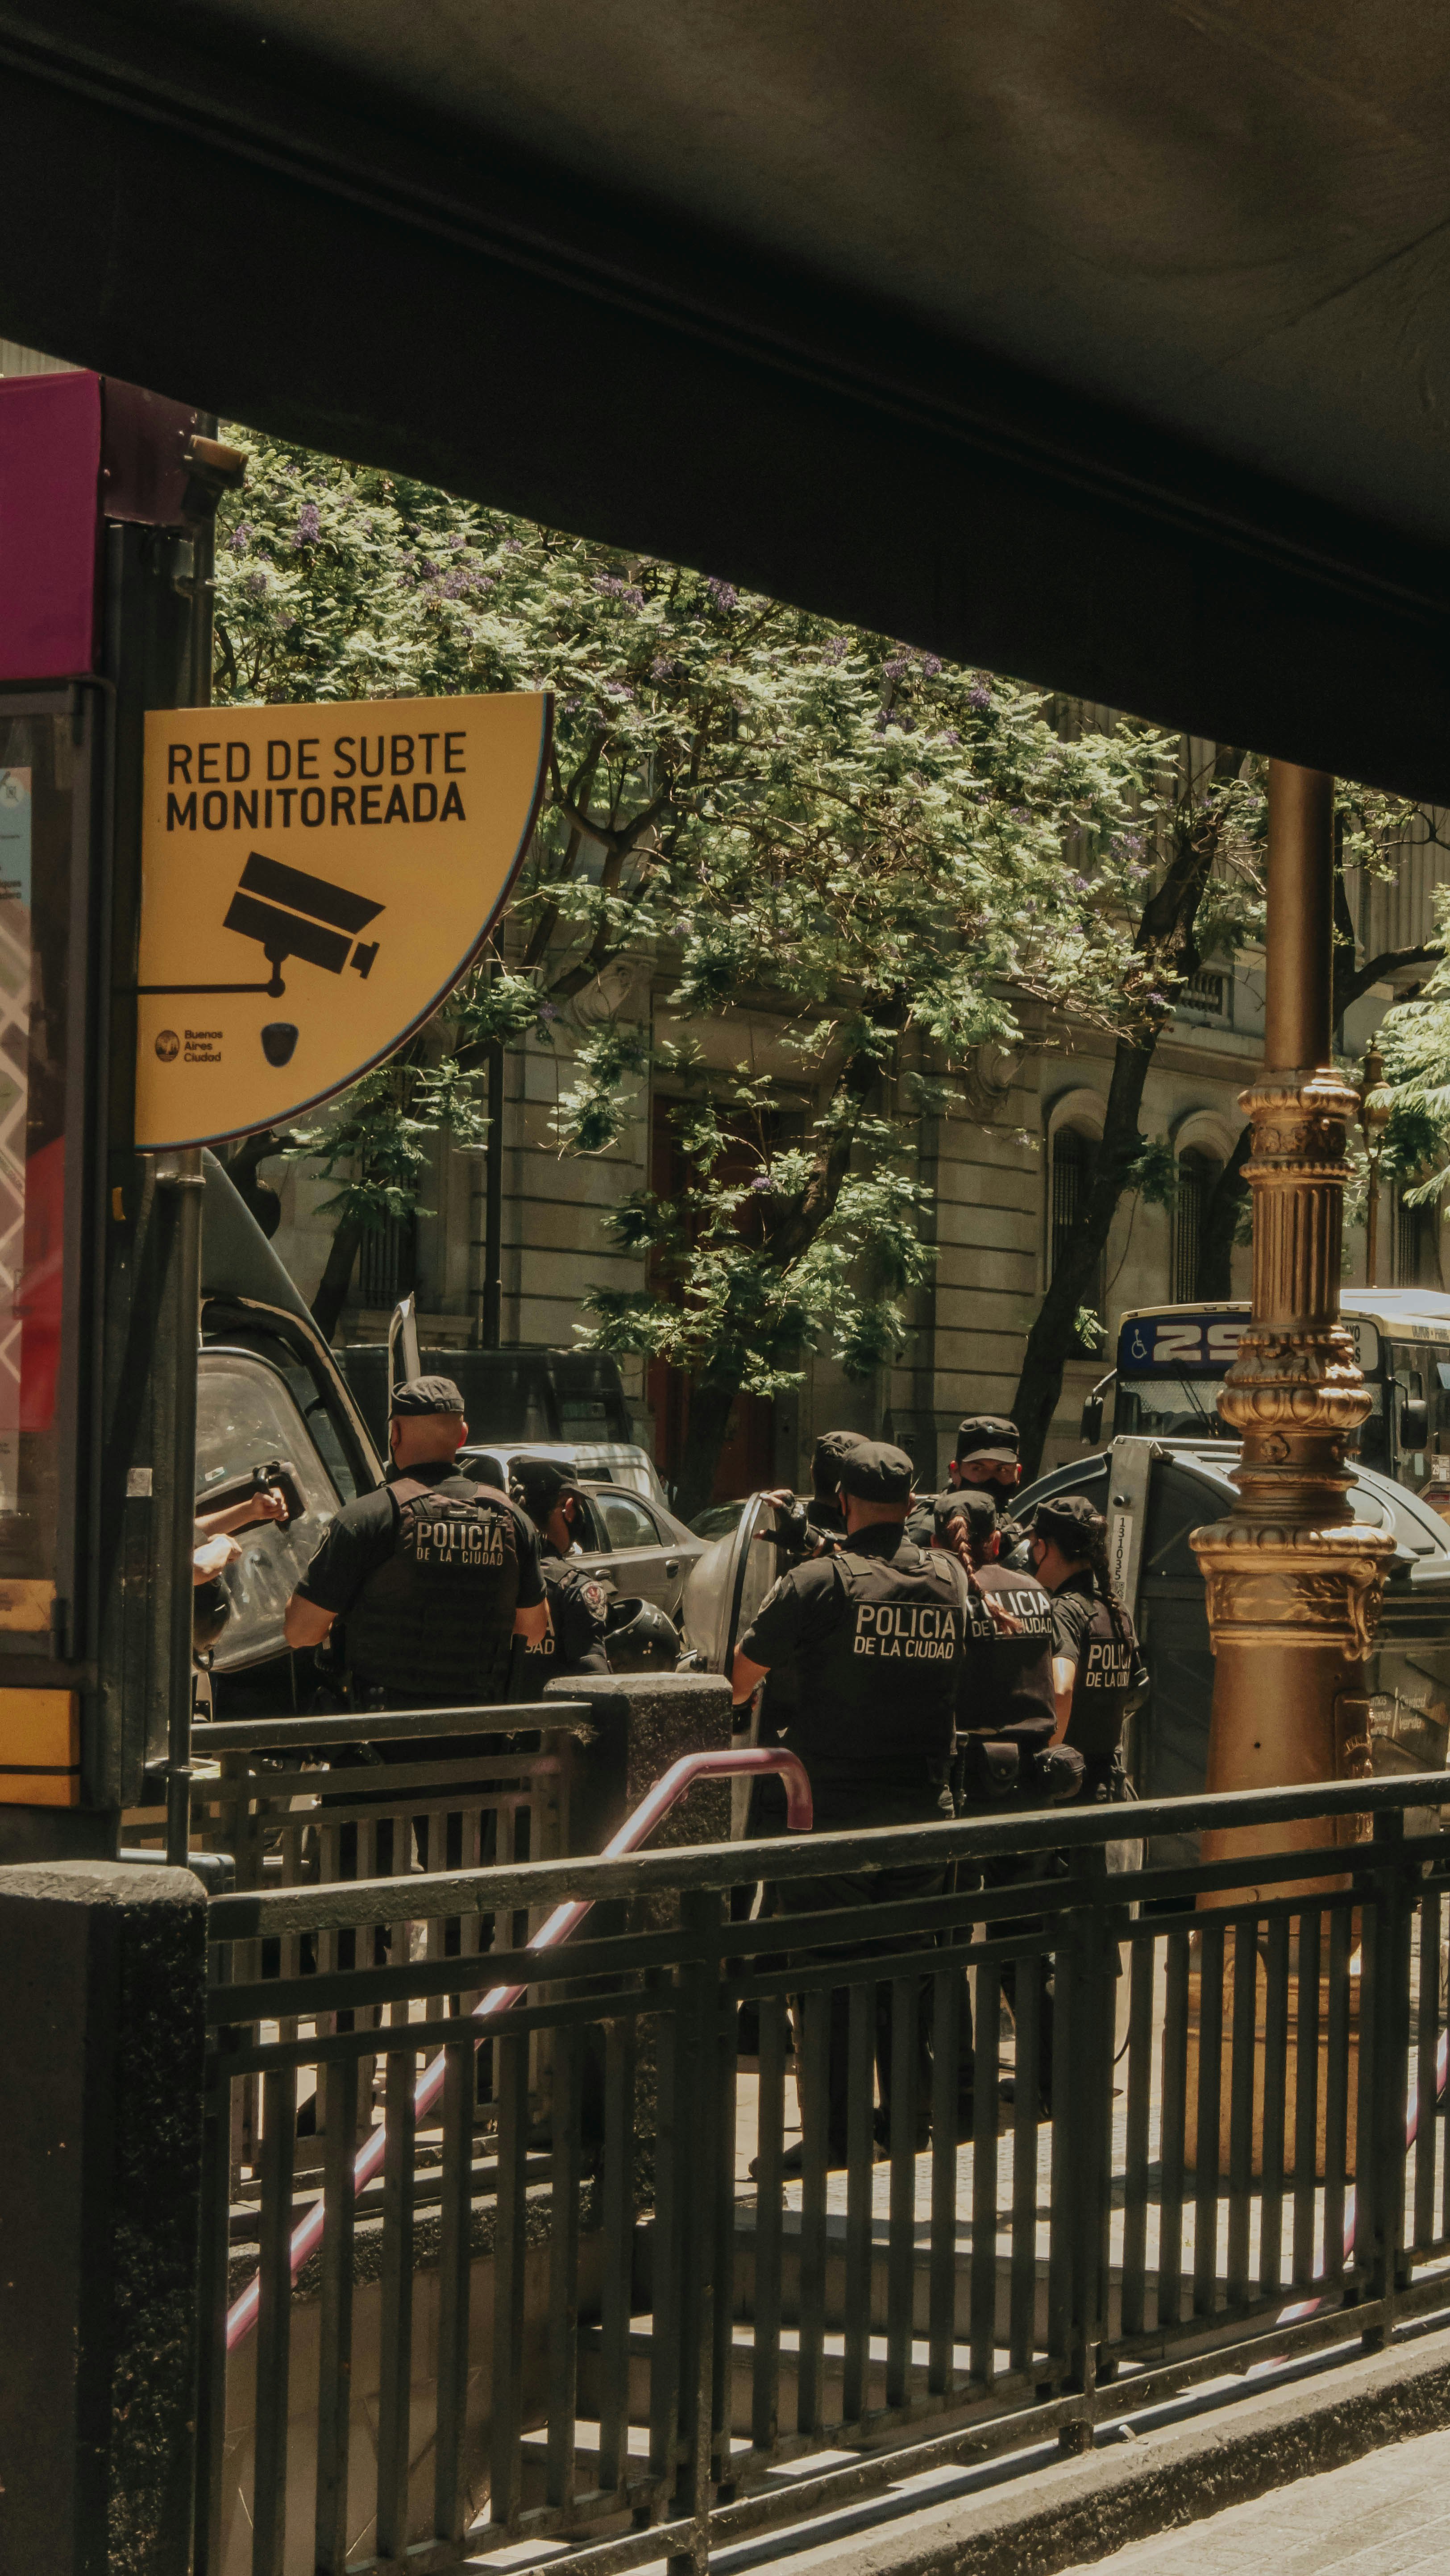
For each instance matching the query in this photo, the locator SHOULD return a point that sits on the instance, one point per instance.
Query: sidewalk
(1387, 2515)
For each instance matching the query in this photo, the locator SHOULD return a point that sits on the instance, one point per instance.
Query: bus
(1172, 1360)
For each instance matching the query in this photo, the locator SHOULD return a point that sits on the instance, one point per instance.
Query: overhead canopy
(1104, 342)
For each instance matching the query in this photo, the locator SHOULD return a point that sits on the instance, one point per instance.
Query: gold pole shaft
(1294, 1584)
(1372, 1225)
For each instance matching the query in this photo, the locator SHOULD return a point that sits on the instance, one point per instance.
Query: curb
(1083, 2509)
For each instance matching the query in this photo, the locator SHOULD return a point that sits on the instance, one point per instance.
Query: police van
(1165, 1471)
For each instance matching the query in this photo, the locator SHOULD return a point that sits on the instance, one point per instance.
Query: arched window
(1196, 1176)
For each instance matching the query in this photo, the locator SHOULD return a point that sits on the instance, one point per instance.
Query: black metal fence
(627, 2273)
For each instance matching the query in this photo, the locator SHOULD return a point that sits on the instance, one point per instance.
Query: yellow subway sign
(315, 880)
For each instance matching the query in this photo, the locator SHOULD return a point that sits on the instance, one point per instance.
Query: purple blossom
(836, 648)
(979, 698)
(613, 588)
(1159, 1001)
(241, 537)
(255, 585)
(617, 689)
(1082, 885)
(762, 1182)
(429, 570)
(548, 1011)
(724, 594)
(309, 524)
(457, 541)
(665, 668)
(951, 735)
(893, 669)
(930, 666)
(513, 545)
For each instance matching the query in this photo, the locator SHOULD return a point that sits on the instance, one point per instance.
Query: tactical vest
(433, 1626)
(1101, 1691)
(1007, 1681)
(881, 1689)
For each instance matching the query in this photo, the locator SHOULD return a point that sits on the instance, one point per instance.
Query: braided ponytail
(1094, 1546)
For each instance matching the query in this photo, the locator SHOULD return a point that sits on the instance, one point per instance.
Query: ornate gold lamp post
(1375, 1103)
(1294, 1584)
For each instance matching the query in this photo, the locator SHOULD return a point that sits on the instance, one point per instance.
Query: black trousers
(1012, 1869)
(846, 1810)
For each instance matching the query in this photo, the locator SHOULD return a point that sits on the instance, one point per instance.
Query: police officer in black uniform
(1006, 1694)
(434, 1575)
(816, 1527)
(1006, 1720)
(578, 1600)
(1097, 1665)
(876, 1632)
(987, 1459)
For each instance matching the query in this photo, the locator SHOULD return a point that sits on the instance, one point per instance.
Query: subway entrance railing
(613, 2297)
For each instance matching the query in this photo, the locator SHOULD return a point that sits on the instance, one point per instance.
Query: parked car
(632, 1538)
(533, 1399)
(611, 1462)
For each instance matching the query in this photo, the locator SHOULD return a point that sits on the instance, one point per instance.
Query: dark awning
(1105, 342)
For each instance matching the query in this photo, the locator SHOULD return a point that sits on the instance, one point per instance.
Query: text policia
(367, 778)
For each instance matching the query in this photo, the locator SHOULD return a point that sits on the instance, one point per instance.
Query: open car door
(722, 1596)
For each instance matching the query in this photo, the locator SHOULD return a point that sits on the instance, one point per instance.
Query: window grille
(388, 1262)
(1207, 992)
(1074, 1158)
(1196, 1176)
(1415, 1265)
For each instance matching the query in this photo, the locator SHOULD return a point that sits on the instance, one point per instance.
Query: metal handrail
(717, 1866)
(676, 1783)
(385, 1726)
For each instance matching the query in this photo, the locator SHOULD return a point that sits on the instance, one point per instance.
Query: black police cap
(826, 1458)
(426, 1395)
(972, 1504)
(988, 1435)
(1070, 1519)
(876, 1473)
(540, 1484)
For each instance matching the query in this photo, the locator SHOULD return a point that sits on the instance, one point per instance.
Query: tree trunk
(711, 1400)
(1220, 1225)
(336, 1278)
(1053, 1337)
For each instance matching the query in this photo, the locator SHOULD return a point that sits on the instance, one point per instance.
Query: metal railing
(334, 1800)
(609, 2311)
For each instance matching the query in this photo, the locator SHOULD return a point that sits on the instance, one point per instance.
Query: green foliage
(1153, 1172)
(869, 842)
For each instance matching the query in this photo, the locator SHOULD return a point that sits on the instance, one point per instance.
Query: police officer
(815, 1528)
(578, 1601)
(434, 1574)
(1006, 1720)
(1097, 1666)
(1006, 1693)
(876, 1632)
(987, 1456)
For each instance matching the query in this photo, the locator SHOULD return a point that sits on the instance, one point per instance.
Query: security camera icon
(320, 922)
(291, 914)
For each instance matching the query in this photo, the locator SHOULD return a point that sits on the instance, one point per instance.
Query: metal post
(1294, 1585)
(180, 1188)
(492, 1318)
